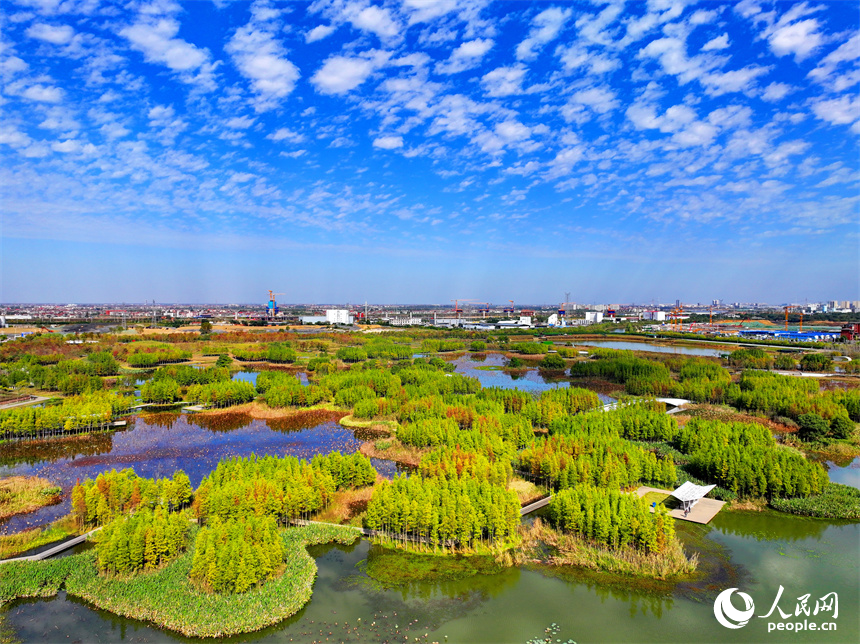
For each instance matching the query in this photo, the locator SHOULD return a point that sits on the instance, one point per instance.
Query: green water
(754, 552)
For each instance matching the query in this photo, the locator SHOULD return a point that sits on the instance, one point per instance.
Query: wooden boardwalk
(50, 552)
(537, 505)
(702, 512)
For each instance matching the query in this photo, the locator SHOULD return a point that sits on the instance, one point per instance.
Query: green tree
(812, 427)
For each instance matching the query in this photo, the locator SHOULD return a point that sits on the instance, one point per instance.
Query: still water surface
(756, 552)
(516, 605)
(654, 348)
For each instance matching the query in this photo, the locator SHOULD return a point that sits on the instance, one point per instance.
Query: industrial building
(332, 316)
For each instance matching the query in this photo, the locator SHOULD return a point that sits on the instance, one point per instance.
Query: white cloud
(671, 53)
(738, 80)
(578, 56)
(702, 17)
(720, 42)
(66, 147)
(161, 113)
(599, 99)
(512, 131)
(286, 134)
(262, 60)
(545, 27)
(679, 120)
(846, 52)
(13, 137)
(838, 111)
(504, 81)
(776, 91)
(318, 33)
(340, 74)
(388, 142)
(157, 41)
(57, 35)
(799, 38)
(43, 94)
(466, 56)
(375, 20)
(239, 122)
(427, 10)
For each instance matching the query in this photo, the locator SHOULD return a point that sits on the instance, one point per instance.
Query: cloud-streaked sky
(425, 150)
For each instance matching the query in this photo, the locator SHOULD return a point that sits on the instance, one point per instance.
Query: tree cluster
(612, 518)
(186, 375)
(222, 394)
(567, 461)
(284, 488)
(236, 555)
(156, 355)
(141, 541)
(456, 462)
(78, 413)
(455, 513)
(441, 346)
(99, 501)
(744, 458)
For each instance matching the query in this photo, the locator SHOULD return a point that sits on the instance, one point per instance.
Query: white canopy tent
(689, 494)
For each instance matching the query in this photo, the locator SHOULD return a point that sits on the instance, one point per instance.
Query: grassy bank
(542, 542)
(168, 599)
(836, 502)
(393, 450)
(23, 494)
(14, 544)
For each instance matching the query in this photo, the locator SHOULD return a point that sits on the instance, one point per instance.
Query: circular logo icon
(727, 614)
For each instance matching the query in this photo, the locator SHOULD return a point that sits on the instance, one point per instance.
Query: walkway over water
(676, 403)
(50, 552)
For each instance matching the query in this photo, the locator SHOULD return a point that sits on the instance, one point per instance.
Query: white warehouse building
(337, 316)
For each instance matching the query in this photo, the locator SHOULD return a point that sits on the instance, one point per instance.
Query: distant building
(593, 317)
(658, 316)
(338, 316)
(332, 316)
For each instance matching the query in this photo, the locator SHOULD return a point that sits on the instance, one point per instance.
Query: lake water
(158, 445)
(755, 552)
(655, 348)
(760, 551)
(847, 475)
(487, 368)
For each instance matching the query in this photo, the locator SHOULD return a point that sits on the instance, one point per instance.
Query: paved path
(71, 543)
(23, 403)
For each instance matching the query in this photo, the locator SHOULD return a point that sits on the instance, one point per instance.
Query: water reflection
(156, 445)
(654, 348)
(491, 372)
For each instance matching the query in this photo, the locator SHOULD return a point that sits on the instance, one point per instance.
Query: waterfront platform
(702, 512)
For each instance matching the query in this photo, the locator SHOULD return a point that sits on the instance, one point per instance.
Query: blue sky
(425, 150)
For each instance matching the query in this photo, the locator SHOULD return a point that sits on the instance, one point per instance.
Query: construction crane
(272, 306)
(457, 308)
(675, 318)
(789, 308)
(485, 309)
(509, 310)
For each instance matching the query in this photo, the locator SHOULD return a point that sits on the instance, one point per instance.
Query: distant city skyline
(430, 151)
